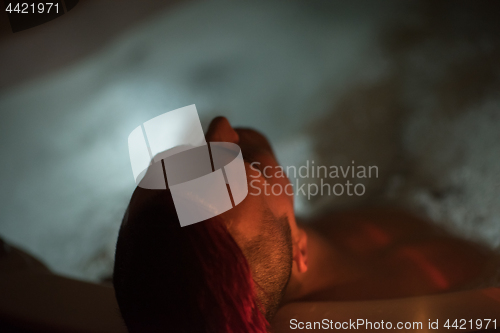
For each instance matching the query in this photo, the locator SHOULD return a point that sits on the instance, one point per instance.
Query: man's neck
(326, 269)
(385, 253)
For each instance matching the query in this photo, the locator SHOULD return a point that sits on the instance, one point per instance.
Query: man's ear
(300, 251)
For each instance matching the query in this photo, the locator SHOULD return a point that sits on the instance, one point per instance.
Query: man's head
(220, 275)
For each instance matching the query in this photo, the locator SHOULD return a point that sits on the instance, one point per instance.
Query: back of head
(173, 279)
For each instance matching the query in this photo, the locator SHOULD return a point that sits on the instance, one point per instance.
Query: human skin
(376, 253)
(353, 255)
(245, 221)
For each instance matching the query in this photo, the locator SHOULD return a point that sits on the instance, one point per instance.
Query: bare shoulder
(399, 255)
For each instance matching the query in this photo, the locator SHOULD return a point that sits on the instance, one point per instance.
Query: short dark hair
(185, 279)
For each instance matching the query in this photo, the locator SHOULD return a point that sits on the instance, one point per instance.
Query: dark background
(412, 87)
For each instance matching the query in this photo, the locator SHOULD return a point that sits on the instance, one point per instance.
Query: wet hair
(190, 279)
